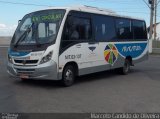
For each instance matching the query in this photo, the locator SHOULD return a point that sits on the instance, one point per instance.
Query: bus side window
(139, 30)
(104, 28)
(79, 28)
(124, 30)
(76, 30)
(73, 27)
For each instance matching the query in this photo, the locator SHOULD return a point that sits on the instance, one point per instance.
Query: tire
(126, 67)
(68, 76)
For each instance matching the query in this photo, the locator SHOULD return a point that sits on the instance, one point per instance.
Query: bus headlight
(10, 59)
(47, 58)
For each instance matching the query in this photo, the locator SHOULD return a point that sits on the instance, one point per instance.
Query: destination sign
(49, 17)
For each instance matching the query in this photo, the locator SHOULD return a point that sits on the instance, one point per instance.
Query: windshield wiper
(24, 35)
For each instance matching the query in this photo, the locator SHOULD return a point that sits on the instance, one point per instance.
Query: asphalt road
(101, 92)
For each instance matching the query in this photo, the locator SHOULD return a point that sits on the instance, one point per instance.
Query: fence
(156, 46)
(156, 43)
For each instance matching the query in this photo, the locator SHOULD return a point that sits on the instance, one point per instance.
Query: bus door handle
(78, 45)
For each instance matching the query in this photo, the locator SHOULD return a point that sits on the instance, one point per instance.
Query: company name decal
(78, 56)
(21, 55)
(18, 54)
(131, 49)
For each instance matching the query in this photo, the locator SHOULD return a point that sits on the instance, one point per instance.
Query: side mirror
(19, 21)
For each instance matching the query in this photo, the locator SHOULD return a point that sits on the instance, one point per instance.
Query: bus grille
(26, 61)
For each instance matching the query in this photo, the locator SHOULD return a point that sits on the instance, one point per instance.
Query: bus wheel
(68, 76)
(126, 67)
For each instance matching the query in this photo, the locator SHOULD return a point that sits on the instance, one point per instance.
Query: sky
(11, 13)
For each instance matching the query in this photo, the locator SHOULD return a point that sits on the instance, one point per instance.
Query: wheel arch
(75, 65)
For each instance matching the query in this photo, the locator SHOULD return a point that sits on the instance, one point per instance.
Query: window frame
(90, 16)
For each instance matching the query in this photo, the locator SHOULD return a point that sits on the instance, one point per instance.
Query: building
(157, 31)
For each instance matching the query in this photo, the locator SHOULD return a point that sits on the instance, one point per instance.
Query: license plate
(24, 76)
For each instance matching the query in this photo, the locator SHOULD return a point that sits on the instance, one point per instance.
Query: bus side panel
(89, 58)
(138, 50)
(102, 56)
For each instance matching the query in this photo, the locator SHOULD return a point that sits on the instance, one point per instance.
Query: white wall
(158, 31)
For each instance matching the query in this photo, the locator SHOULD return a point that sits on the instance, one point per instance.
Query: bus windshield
(38, 28)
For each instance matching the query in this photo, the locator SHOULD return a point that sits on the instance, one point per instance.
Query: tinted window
(139, 30)
(124, 30)
(104, 28)
(77, 29)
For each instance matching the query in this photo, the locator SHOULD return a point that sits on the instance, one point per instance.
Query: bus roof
(95, 10)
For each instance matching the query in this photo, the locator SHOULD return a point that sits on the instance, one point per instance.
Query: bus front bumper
(47, 71)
